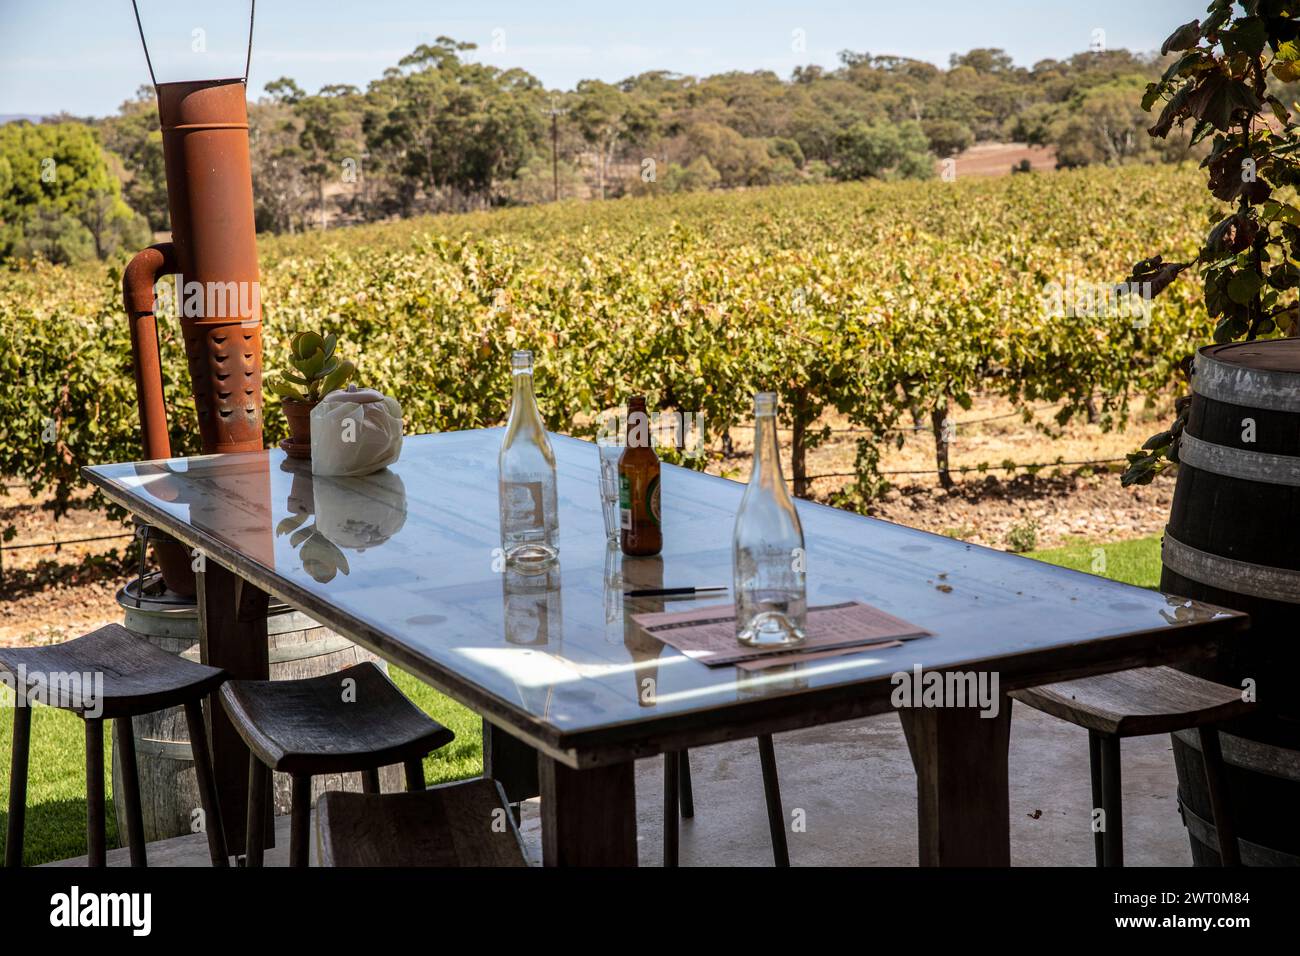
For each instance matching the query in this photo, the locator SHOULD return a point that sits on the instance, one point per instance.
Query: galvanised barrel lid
(1263, 374)
(151, 596)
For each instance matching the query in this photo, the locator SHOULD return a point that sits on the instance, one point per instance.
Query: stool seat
(138, 678)
(457, 824)
(1139, 702)
(110, 674)
(336, 723)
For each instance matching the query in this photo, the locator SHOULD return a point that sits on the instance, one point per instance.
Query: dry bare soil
(996, 159)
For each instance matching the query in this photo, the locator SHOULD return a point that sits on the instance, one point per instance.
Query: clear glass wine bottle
(530, 523)
(768, 547)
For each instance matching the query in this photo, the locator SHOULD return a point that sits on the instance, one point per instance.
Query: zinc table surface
(405, 562)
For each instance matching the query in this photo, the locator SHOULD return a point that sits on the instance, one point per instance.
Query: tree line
(441, 132)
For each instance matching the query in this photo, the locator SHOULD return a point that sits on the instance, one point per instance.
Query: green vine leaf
(1244, 286)
(1218, 99)
(1247, 36)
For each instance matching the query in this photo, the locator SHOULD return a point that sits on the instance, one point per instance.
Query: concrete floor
(856, 789)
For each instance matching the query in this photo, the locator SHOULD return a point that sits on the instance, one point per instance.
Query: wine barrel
(1231, 541)
(298, 647)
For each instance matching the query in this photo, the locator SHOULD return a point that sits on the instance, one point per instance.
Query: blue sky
(84, 56)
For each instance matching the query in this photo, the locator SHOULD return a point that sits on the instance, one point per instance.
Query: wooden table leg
(672, 793)
(588, 816)
(963, 808)
(510, 762)
(232, 636)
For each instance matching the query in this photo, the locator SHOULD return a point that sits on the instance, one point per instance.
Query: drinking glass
(611, 449)
(613, 592)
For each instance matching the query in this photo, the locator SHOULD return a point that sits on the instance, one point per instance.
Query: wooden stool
(138, 678)
(1138, 703)
(324, 725)
(678, 794)
(457, 824)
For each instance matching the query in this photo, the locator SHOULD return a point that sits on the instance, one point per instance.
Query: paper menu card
(708, 634)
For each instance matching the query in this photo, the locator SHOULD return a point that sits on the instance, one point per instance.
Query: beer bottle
(638, 485)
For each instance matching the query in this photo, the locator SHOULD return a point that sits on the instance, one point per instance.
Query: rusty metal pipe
(138, 292)
(210, 195)
(214, 253)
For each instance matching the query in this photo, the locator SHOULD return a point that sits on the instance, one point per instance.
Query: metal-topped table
(406, 563)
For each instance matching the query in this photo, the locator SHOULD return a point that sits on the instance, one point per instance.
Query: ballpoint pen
(669, 592)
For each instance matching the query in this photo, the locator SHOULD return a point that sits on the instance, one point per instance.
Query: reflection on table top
(405, 561)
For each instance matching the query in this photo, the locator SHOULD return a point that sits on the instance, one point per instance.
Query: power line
(59, 544)
(968, 421)
(957, 424)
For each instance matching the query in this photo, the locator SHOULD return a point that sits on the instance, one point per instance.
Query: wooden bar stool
(1138, 703)
(679, 797)
(352, 721)
(468, 823)
(138, 678)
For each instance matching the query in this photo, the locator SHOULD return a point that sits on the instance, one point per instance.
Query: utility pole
(365, 185)
(555, 113)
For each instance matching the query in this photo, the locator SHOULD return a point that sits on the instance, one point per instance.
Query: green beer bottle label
(652, 500)
(625, 503)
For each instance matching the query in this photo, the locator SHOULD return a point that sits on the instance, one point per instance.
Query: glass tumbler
(611, 449)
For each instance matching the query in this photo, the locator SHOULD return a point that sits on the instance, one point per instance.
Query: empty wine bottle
(530, 523)
(768, 547)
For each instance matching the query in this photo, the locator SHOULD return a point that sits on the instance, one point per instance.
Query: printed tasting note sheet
(708, 634)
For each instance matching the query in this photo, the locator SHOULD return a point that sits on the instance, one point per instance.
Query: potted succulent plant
(314, 372)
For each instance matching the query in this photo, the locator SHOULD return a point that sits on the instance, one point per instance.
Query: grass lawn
(56, 804)
(56, 783)
(56, 774)
(1133, 562)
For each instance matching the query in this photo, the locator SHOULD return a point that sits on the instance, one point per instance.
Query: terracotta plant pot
(298, 414)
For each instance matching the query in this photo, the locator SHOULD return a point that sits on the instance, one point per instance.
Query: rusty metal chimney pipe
(213, 253)
(137, 286)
